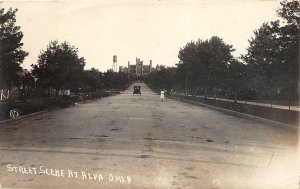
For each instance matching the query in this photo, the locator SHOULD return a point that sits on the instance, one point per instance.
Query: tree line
(269, 69)
(58, 66)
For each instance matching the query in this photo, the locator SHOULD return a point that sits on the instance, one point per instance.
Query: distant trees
(92, 80)
(59, 67)
(204, 65)
(269, 68)
(162, 77)
(115, 80)
(11, 53)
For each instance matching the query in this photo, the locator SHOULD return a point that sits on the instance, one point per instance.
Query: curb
(24, 116)
(239, 114)
(44, 111)
(37, 113)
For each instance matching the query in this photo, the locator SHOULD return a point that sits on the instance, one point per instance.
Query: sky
(150, 30)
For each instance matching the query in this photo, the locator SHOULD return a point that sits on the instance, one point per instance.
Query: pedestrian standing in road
(162, 95)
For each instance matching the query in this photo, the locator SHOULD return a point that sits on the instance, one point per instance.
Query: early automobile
(137, 90)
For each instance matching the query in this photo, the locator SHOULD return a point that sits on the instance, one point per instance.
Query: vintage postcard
(158, 94)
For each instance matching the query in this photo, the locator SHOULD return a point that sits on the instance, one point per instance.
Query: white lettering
(52, 172)
(95, 176)
(118, 178)
(34, 170)
(100, 177)
(41, 172)
(10, 168)
(123, 180)
(62, 173)
(20, 169)
(29, 170)
(128, 180)
(47, 172)
(110, 177)
(25, 171)
(70, 173)
(89, 176)
(83, 174)
(15, 168)
(76, 175)
(3, 96)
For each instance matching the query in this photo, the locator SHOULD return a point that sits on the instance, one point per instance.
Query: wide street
(127, 141)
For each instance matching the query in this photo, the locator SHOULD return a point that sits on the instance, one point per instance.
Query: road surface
(128, 141)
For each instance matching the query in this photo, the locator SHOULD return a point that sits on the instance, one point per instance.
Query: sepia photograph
(149, 94)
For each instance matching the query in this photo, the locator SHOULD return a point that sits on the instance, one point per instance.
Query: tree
(11, 53)
(27, 82)
(262, 56)
(236, 75)
(289, 34)
(162, 77)
(59, 67)
(204, 62)
(290, 11)
(92, 80)
(273, 54)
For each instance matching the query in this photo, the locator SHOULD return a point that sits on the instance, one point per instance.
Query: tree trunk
(215, 96)
(270, 100)
(186, 92)
(235, 95)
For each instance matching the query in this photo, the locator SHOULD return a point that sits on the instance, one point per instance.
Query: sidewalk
(293, 108)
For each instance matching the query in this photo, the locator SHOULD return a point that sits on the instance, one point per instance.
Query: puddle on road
(99, 136)
(144, 156)
(72, 138)
(116, 129)
(163, 139)
(193, 177)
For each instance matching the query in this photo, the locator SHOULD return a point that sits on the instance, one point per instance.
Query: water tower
(115, 65)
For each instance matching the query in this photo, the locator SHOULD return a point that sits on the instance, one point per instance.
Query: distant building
(123, 69)
(139, 69)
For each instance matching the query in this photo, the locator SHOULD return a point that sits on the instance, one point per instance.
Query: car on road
(137, 90)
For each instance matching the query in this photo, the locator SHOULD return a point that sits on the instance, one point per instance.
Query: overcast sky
(146, 29)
